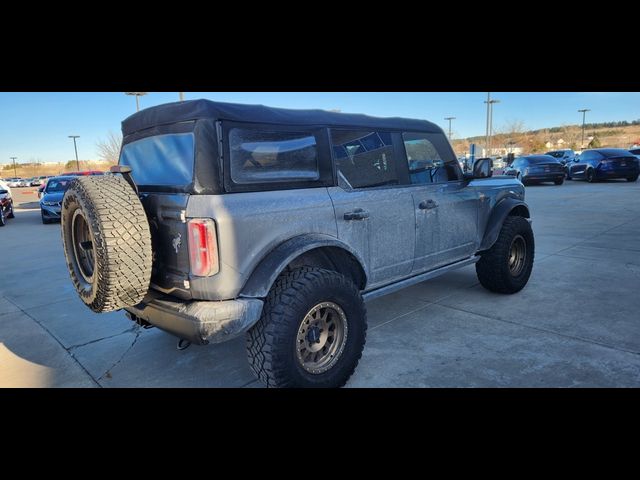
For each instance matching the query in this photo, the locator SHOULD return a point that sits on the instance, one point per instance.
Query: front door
(446, 208)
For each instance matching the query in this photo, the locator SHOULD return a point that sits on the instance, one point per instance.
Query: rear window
(259, 156)
(543, 159)
(161, 160)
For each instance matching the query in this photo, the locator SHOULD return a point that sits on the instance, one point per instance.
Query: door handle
(428, 205)
(357, 214)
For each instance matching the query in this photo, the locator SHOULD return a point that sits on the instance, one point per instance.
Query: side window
(364, 159)
(259, 156)
(429, 161)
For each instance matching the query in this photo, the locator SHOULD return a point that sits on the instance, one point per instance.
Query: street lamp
(14, 166)
(450, 119)
(181, 96)
(75, 147)
(584, 116)
(490, 104)
(137, 95)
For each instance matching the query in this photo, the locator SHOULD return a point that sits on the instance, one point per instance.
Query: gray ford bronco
(225, 219)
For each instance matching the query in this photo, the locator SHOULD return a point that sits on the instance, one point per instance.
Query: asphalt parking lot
(575, 325)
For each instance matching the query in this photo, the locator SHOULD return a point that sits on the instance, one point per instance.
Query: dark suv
(224, 219)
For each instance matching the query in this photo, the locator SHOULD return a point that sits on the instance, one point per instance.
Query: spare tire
(107, 242)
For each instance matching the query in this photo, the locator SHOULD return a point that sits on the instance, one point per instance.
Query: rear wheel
(633, 179)
(506, 267)
(107, 242)
(559, 181)
(311, 333)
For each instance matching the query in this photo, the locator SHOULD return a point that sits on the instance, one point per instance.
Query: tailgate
(166, 214)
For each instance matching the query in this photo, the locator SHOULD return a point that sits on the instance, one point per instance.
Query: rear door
(374, 212)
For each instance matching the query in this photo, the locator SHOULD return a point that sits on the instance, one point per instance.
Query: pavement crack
(107, 374)
(129, 330)
(55, 339)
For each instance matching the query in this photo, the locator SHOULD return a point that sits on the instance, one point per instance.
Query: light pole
(181, 96)
(75, 147)
(450, 119)
(137, 95)
(490, 104)
(584, 116)
(14, 166)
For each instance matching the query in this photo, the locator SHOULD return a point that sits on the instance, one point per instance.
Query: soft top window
(259, 156)
(162, 160)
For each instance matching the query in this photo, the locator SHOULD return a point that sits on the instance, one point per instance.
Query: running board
(394, 287)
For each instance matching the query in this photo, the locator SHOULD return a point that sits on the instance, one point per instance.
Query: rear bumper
(618, 173)
(198, 322)
(544, 177)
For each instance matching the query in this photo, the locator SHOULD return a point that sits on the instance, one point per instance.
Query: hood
(53, 197)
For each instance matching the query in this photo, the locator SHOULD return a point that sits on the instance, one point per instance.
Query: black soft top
(205, 109)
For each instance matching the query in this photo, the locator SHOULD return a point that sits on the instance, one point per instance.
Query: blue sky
(35, 126)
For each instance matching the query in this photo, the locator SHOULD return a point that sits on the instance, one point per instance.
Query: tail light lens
(203, 247)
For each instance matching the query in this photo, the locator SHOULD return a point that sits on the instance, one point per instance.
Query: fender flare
(272, 265)
(500, 212)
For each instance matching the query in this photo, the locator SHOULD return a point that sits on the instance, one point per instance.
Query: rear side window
(364, 159)
(429, 162)
(259, 156)
(161, 160)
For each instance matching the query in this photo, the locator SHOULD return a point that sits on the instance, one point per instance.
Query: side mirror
(483, 168)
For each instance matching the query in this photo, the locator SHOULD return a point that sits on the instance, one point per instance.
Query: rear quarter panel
(250, 225)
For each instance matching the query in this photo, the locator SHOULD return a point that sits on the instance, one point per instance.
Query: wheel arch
(316, 250)
(507, 207)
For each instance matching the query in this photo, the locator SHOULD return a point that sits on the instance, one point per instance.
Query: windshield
(55, 185)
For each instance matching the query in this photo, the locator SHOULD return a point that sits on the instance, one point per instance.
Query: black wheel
(11, 214)
(590, 176)
(45, 221)
(506, 267)
(107, 242)
(311, 333)
(559, 181)
(632, 179)
(3, 219)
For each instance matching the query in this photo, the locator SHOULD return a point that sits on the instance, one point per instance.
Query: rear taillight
(203, 247)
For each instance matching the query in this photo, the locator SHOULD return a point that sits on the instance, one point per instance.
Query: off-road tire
(120, 237)
(272, 342)
(493, 268)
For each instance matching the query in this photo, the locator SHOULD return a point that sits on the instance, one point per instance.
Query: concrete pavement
(575, 324)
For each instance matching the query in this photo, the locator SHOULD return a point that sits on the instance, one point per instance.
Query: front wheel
(559, 182)
(11, 214)
(591, 177)
(3, 220)
(506, 267)
(633, 179)
(311, 333)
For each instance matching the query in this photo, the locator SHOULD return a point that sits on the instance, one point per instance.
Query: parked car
(6, 206)
(25, 182)
(604, 163)
(563, 156)
(5, 186)
(14, 182)
(537, 169)
(226, 219)
(51, 201)
(636, 152)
